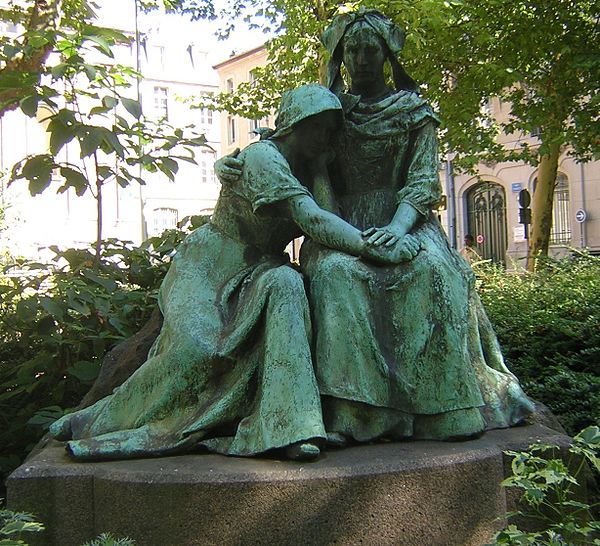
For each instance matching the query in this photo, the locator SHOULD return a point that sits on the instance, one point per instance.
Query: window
(207, 171)
(231, 130)
(560, 233)
(164, 218)
(256, 124)
(158, 55)
(229, 85)
(252, 79)
(206, 116)
(486, 113)
(561, 220)
(197, 56)
(161, 102)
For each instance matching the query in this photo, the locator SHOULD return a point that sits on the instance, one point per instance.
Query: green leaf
(104, 172)
(99, 110)
(122, 181)
(38, 170)
(103, 45)
(79, 306)
(90, 71)
(118, 325)
(30, 370)
(60, 134)
(170, 164)
(166, 171)
(53, 307)
(29, 105)
(10, 50)
(133, 107)
(74, 179)
(112, 143)
(84, 370)
(18, 80)
(90, 139)
(590, 435)
(59, 70)
(109, 101)
(109, 284)
(13, 527)
(46, 416)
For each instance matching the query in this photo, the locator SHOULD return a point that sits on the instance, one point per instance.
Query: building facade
(486, 205)
(175, 65)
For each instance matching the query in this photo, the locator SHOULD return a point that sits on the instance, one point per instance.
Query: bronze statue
(400, 351)
(231, 369)
(399, 346)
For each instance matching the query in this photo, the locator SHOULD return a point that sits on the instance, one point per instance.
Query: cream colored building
(236, 132)
(173, 58)
(486, 205)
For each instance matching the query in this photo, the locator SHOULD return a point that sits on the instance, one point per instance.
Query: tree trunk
(541, 209)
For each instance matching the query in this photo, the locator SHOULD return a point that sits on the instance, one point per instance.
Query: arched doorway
(486, 220)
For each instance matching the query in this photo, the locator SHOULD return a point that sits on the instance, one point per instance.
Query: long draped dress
(231, 368)
(406, 350)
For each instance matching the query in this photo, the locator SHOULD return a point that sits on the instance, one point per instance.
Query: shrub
(549, 499)
(14, 524)
(58, 321)
(548, 324)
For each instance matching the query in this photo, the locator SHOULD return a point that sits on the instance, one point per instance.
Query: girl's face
(312, 136)
(364, 56)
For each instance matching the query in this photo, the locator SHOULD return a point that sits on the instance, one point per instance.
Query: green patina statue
(399, 346)
(400, 351)
(231, 369)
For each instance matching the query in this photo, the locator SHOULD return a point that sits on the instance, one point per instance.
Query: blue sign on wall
(516, 186)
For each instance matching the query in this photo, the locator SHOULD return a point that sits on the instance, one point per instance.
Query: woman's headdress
(392, 35)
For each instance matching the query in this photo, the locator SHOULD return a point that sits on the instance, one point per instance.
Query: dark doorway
(486, 216)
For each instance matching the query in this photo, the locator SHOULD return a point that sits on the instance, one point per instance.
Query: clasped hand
(390, 245)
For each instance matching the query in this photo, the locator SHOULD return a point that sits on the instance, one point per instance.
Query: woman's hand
(229, 169)
(402, 250)
(385, 236)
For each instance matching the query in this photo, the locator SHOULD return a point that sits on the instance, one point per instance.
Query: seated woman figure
(401, 351)
(231, 369)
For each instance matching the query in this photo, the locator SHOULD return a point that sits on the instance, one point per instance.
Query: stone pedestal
(410, 494)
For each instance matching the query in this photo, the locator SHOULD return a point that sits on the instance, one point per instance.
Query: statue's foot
(61, 429)
(302, 451)
(336, 439)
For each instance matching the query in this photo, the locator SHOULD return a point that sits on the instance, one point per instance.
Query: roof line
(239, 56)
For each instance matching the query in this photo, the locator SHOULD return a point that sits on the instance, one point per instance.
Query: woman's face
(312, 136)
(364, 57)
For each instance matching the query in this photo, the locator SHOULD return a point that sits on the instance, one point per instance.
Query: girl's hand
(385, 236)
